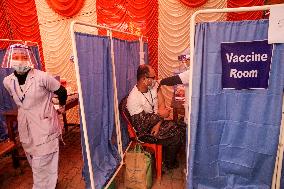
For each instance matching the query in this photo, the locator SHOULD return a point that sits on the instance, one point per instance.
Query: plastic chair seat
(157, 148)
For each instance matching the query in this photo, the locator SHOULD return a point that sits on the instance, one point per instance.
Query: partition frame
(81, 101)
(20, 41)
(17, 40)
(278, 162)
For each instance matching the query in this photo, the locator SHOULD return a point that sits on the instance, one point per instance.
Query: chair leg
(159, 155)
(16, 162)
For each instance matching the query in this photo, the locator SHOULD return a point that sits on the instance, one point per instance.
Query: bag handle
(138, 147)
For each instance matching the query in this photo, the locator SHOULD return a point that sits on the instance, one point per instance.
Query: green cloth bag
(112, 185)
(138, 173)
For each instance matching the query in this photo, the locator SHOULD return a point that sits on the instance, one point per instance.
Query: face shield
(19, 57)
(185, 58)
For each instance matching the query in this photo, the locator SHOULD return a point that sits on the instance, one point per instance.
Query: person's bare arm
(161, 99)
(163, 111)
(156, 128)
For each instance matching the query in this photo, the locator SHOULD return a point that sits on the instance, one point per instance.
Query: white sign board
(276, 25)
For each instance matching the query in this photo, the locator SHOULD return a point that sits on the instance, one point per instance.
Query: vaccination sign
(246, 65)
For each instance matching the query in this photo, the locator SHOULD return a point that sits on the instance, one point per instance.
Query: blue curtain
(146, 55)
(97, 87)
(126, 57)
(6, 102)
(234, 133)
(36, 53)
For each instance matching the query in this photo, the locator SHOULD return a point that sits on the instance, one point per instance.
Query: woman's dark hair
(142, 71)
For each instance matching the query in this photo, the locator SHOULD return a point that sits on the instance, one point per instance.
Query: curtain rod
(73, 23)
(18, 40)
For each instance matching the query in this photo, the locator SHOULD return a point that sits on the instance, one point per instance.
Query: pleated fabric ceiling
(56, 40)
(138, 17)
(174, 27)
(67, 7)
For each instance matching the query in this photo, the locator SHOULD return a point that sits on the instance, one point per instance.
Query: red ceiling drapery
(272, 2)
(146, 13)
(66, 8)
(193, 3)
(21, 22)
(132, 16)
(4, 26)
(244, 15)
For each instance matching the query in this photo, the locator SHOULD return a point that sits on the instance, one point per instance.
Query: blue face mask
(21, 69)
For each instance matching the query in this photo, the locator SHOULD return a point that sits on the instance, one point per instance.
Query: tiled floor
(70, 169)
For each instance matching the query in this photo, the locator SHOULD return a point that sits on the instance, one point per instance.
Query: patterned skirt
(144, 122)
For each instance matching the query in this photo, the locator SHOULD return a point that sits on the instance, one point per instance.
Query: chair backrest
(126, 117)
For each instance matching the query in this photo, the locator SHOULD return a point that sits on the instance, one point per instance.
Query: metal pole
(115, 100)
(81, 101)
(17, 40)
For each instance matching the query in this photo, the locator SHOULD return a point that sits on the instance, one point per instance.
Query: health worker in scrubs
(182, 78)
(38, 124)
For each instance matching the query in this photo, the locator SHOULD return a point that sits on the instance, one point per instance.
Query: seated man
(147, 109)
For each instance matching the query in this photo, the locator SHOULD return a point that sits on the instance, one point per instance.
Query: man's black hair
(142, 71)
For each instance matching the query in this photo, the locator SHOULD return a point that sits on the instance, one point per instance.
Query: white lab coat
(38, 123)
(184, 77)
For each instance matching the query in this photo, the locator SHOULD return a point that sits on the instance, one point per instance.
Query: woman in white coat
(182, 78)
(38, 126)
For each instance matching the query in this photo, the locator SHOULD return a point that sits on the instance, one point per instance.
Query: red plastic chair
(157, 148)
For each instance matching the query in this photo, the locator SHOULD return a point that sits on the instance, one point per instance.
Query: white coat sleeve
(184, 77)
(49, 82)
